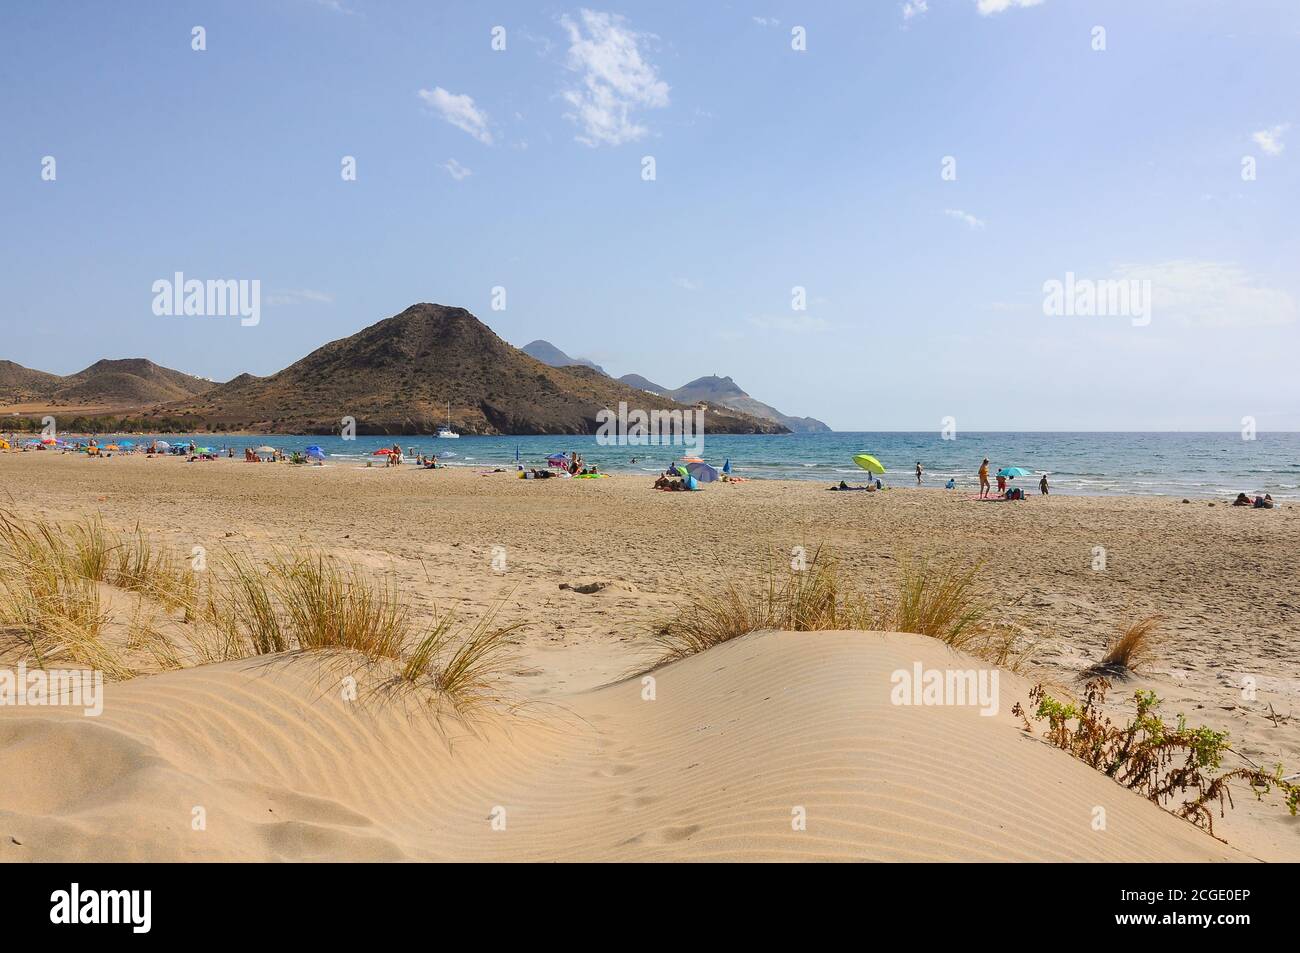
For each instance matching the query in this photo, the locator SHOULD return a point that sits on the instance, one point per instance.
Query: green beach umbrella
(868, 463)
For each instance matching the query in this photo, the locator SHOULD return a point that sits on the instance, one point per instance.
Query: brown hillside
(127, 383)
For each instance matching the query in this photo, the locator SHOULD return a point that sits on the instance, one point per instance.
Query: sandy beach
(736, 741)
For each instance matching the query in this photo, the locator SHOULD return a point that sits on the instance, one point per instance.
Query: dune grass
(798, 600)
(465, 666)
(52, 580)
(938, 598)
(1131, 650)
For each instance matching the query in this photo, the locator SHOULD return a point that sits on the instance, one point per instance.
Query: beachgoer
(984, 478)
(918, 472)
(1042, 485)
(1242, 500)
(951, 484)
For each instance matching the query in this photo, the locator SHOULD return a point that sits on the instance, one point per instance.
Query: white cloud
(457, 170)
(914, 8)
(1210, 294)
(300, 296)
(965, 217)
(460, 111)
(616, 79)
(1270, 140)
(796, 323)
(987, 7)
(335, 5)
(768, 21)
(686, 284)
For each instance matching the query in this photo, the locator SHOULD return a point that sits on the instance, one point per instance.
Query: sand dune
(734, 742)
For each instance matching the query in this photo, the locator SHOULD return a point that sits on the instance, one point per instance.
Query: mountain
(399, 375)
(128, 383)
(724, 392)
(20, 385)
(640, 383)
(548, 353)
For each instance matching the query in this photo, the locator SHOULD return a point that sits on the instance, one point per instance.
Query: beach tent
(703, 472)
(868, 463)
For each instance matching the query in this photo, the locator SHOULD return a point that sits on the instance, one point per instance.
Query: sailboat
(446, 433)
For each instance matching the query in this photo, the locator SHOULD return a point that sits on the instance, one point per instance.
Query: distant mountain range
(714, 391)
(548, 353)
(396, 376)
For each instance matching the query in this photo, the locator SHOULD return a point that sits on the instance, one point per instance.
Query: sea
(1206, 465)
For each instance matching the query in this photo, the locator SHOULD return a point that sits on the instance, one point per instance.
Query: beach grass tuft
(938, 598)
(1130, 651)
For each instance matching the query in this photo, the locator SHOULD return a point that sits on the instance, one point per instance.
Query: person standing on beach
(984, 478)
(918, 472)
(1042, 485)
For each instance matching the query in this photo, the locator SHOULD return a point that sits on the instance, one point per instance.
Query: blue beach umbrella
(726, 467)
(1015, 472)
(702, 472)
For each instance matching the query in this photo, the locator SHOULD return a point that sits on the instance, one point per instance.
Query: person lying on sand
(1264, 502)
(1242, 500)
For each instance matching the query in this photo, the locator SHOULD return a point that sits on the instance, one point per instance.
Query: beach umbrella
(692, 460)
(314, 450)
(516, 453)
(726, 467)
(48, 441)
(868, 463)
(556, 460)
(382, 452)
(703, 472)
(1015, 472)
(682, 471)
(162, 445)
(265, 449)
(692, 483)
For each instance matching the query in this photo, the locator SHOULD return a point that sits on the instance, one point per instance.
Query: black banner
(140, 902)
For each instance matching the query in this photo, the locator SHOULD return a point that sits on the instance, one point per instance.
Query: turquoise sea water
(1171, 464)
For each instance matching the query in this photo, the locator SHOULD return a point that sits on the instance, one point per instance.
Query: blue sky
(775, 168)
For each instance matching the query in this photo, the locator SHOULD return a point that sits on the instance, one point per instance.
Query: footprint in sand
(670, 835)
